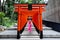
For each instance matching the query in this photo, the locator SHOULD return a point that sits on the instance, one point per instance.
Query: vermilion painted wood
(23, 14)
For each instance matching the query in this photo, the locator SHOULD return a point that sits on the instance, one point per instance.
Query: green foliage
(26, 1)
(10, 16)
(11, 8)
(2, 14)
(7, 22)
(42, 1)
(29, 1)
(32, 1)
(22, 1)
(1, 17)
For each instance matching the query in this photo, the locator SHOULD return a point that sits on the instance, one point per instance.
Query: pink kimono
(29, 26)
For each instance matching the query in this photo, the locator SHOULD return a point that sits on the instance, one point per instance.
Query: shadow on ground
(53, 25)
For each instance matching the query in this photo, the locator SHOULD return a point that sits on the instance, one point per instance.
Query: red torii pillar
(35, 12)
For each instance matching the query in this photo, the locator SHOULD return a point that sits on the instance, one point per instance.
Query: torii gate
(33, 10)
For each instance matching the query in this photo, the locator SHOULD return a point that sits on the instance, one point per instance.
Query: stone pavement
(11, 33)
